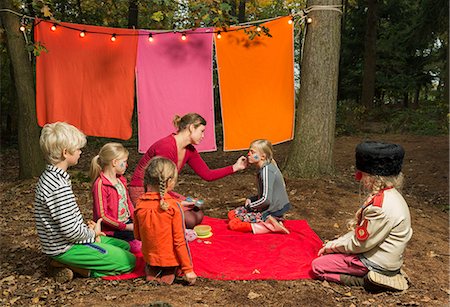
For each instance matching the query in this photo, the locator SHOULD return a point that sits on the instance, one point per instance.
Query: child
(372, 254)
(63, 235)
(111, 200)
(159, 224)
(261, 212)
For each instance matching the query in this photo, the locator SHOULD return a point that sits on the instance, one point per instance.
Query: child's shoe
(168, 275)
(278, 225)
(393, 283)
(351, 280)
(61, 275)
(152, 273)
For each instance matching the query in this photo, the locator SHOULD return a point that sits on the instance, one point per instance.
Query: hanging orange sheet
(256, 80)
(86, 81)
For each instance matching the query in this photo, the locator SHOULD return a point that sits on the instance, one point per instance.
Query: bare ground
(325, 203)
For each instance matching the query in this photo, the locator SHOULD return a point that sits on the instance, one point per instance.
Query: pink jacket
(106, 203)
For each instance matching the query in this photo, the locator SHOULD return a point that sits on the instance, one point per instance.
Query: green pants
(109, 257)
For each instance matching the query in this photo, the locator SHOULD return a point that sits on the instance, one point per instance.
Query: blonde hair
(157, 174)
(58, 136)
(378, 183)
(182, 123)
(265, 147)
(107, 154)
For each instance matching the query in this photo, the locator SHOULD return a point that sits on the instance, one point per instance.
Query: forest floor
(326, 203)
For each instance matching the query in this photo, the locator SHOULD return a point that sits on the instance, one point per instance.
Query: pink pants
(331, 266)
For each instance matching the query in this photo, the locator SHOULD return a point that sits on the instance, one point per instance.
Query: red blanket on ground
(230, 255)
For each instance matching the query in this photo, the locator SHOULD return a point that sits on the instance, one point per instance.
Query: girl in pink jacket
(110, 194)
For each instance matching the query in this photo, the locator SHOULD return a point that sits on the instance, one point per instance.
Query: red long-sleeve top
(167, 147)
(161, 232)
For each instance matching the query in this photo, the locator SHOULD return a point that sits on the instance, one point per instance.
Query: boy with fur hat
(372, 254)
(72, 245)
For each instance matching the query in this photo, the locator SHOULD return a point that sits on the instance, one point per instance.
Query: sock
(237, 225)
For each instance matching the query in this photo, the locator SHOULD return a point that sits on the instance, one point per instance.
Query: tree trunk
(241, 17)
(30, 156)
(132, 14)
(446, 75)
(311, 152)
(370, 41)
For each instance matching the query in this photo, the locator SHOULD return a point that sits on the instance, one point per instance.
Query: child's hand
(129, 227)
(188, 203)
(191, 278)
(98, 230)
(321, 251)
(247, 204)
(240, 164)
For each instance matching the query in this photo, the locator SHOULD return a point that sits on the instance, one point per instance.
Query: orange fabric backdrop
(87, 82)
(257, 85)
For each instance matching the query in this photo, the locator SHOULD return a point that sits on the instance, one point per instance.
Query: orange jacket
(161, 232)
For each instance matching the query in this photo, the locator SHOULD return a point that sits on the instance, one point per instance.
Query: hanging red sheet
(256, 80)
(86, 81)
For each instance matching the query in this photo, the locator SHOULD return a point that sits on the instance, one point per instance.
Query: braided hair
(157, 175)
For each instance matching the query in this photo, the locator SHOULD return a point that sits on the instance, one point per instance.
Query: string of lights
(252, 25)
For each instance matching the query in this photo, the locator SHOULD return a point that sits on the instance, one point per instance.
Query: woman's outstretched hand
(240, 164)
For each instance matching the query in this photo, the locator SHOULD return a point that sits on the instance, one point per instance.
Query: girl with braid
(371, 254)
(159, 224)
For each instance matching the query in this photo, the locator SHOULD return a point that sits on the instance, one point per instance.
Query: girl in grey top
(261, 212)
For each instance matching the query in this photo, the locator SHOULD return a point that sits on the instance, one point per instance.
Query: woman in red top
(179, 148)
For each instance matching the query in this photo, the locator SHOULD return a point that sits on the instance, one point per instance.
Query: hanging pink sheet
(86, 81)
(257, 84)
(231, 255)
(174, 77)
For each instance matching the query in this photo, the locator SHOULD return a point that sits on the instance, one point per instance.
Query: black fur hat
(378, 158)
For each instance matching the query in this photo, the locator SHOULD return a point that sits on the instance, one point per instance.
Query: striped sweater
(59, 222)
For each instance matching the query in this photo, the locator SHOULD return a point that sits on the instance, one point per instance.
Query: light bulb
(309, 20)
(150, 37)
(113, 38)
(83, 33)
(290, 21)
(183, 36)
(219, 36)
(22, 28)
(258, 29)
(53, 28)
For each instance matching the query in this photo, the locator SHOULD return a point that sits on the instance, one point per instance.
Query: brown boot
(351, 280)
(80, 271)
(61, 275)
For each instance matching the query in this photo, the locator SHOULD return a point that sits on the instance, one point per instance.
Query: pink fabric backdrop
(174, 77)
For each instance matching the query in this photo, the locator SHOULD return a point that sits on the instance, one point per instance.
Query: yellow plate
(206, 236)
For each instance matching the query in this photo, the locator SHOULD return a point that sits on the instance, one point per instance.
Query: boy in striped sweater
(64, 237)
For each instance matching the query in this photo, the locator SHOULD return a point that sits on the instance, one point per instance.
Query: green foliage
(412, 37)
(349, 117)
(429, 119)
